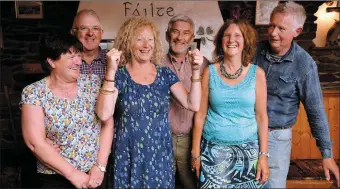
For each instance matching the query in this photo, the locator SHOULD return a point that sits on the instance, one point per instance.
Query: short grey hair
(85, 12)
(183, 18)
(294, 9)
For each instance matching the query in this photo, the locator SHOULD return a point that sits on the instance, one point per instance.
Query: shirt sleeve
(119, 80)
(172, 76)
(311, 97)
(31, 95)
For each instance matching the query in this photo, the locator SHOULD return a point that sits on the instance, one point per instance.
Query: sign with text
(205, 14)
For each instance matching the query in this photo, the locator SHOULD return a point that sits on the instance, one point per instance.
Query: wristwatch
(101, 168)
(264, 154)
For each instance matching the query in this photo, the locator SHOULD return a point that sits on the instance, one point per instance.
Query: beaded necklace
(228, 75)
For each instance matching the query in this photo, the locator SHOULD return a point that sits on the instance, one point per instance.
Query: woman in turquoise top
(233, 117)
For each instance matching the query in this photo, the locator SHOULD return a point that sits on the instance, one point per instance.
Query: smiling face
(180, 37)
(232, 41)
(281, 32)
(68, 65)
(143, 44)
(88, 31)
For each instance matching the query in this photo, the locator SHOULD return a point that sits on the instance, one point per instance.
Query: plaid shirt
(97, 66)
(293, 79)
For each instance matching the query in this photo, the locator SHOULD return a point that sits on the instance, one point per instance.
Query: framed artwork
(28, 9)
(263, 10)
(107, 43)
(196, 44)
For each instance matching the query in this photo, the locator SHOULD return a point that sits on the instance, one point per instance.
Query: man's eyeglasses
(83, 29)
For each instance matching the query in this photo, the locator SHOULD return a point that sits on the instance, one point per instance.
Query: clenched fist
(113, 59)
(195, 59)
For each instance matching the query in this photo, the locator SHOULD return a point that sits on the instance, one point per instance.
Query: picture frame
(107, 43)
(29, 9)
(263, 11)
(196, 44)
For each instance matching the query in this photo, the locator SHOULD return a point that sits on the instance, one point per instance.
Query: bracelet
(266, 154)
(196, 158)
(106, 92)
(109, 80)
(196, 80)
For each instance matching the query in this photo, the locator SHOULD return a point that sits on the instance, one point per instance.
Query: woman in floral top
(61, 108)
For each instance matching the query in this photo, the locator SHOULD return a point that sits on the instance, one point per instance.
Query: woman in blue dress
(138, 93)
(233, 116)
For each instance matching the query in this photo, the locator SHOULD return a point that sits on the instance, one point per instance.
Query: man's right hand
(55, 146)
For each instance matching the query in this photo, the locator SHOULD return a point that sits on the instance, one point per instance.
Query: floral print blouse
(73, 125)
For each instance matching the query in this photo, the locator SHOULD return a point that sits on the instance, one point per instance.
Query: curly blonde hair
(249, 36)
(127, 34)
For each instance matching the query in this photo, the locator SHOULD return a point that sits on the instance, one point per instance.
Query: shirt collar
(288, 57)
(101, 57)
(173, 59)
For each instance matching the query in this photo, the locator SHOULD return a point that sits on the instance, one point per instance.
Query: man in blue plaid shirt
(87, 28)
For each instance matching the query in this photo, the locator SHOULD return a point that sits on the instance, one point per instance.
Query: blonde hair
(127, 34)
(294, 9)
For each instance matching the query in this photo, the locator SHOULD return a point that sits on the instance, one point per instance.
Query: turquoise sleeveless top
(231, 114)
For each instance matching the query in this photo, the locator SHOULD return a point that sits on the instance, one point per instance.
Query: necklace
(228, 75)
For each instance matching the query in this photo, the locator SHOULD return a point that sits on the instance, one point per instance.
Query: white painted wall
(113, 15)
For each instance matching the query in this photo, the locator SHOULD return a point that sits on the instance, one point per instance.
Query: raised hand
(195, 59)
(113, 59)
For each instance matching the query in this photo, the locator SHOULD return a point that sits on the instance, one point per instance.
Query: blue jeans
(280, 145)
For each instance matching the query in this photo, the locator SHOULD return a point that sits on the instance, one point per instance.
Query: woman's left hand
(262, 169)
(195, 59)
(96, 177)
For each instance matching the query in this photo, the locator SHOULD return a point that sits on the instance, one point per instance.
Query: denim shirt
(290, 81)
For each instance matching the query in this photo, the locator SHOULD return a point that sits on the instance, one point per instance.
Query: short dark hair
(249, 35)
(53, 45)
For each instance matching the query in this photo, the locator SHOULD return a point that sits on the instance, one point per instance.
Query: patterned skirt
(232, 166)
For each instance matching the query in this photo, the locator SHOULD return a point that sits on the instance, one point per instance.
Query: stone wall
(328, 61)
(21, 36)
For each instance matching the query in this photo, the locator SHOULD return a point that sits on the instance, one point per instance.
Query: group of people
(133, 116)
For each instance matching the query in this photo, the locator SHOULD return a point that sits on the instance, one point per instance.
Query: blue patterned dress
(143, 156)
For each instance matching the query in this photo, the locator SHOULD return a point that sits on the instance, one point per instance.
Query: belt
(279, 128)
(181, 135)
